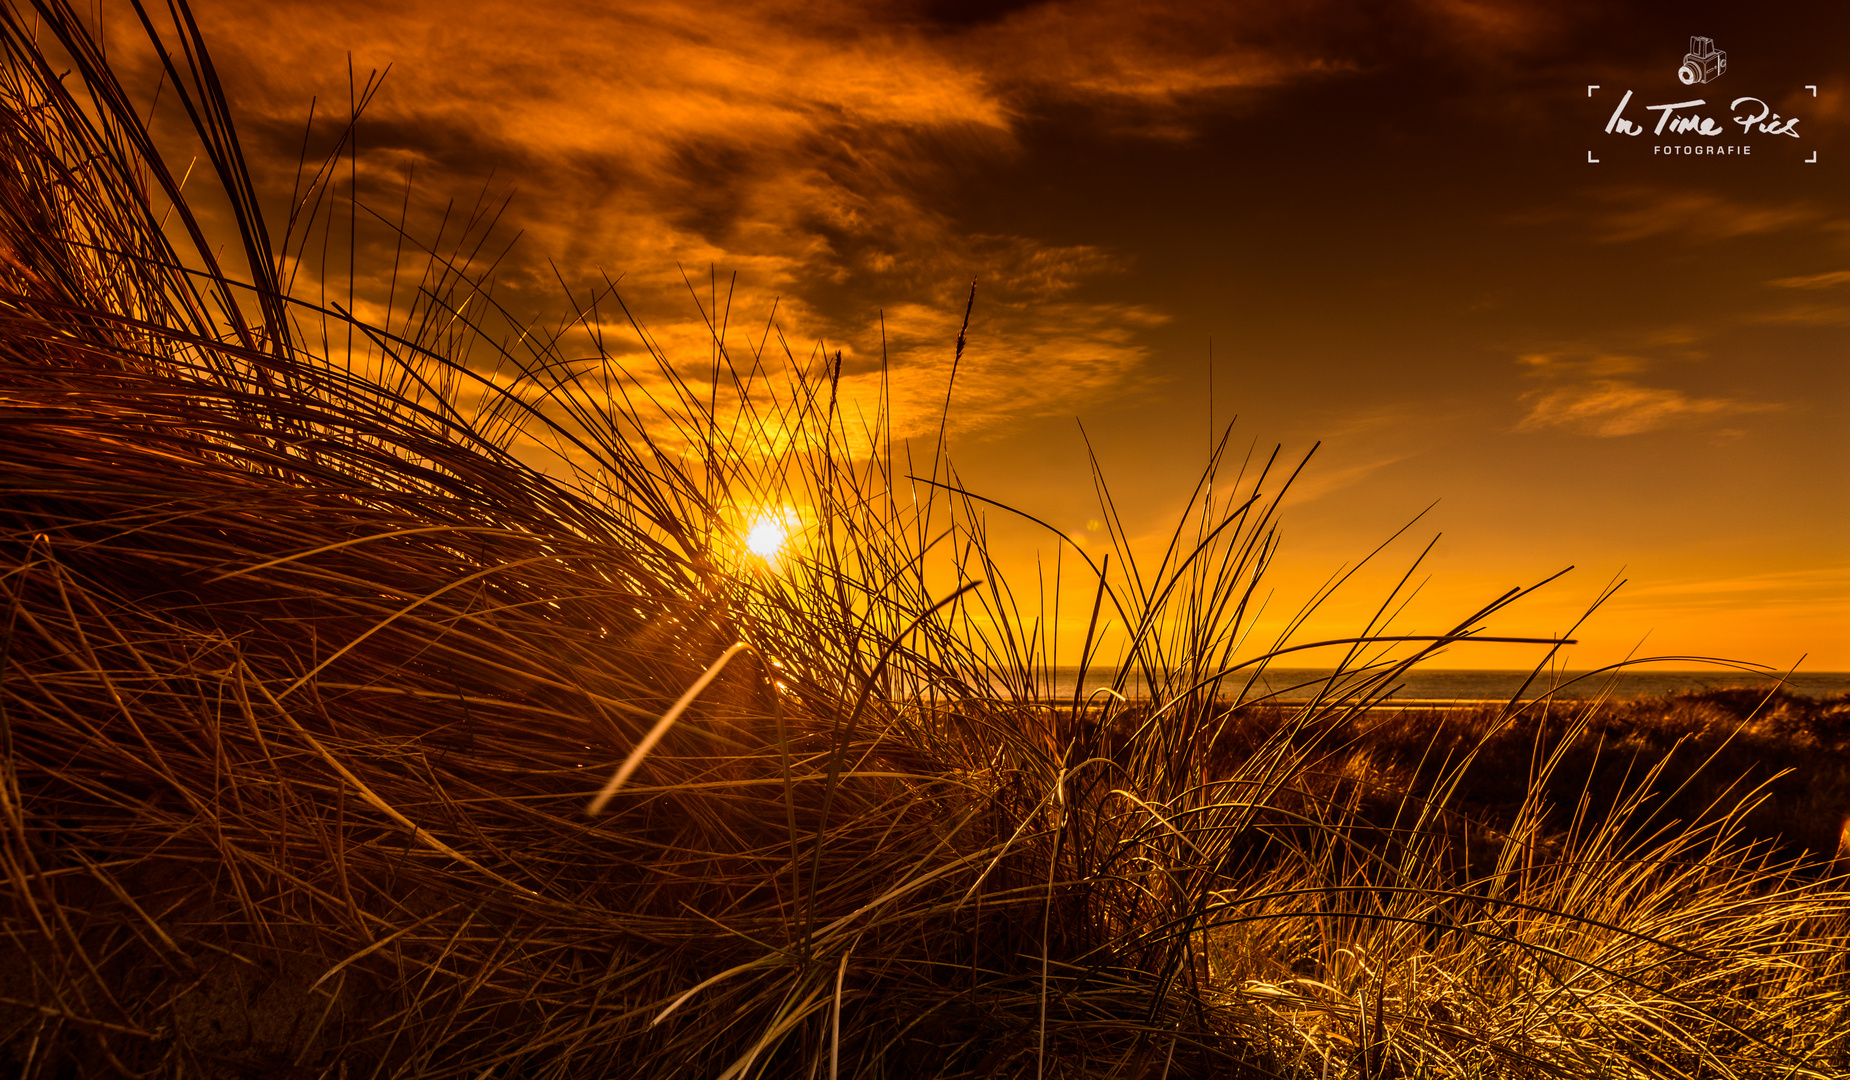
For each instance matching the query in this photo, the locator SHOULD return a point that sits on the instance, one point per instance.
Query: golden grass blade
(617, 779)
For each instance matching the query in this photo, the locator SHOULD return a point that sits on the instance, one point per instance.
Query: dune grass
(314, 694)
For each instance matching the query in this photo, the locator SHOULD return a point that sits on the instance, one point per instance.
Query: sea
(1440, 685)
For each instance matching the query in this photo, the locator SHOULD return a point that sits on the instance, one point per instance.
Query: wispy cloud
(1157, 54)
(1612, 407)
(1828, 280)
(1146, 68)
(1826, 583)
(807, 149)
(1637, 212)
(814, 149)
(1357, 444)
(1327, 479)
(1496, 26)
(1594, 393)
(1806, 315)
(1582, 365)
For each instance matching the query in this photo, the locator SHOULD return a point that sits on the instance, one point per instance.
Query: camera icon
(1703, 63)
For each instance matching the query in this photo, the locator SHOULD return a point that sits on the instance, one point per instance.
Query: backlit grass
(341, 741)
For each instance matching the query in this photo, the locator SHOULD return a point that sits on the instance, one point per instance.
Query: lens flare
(766, 537)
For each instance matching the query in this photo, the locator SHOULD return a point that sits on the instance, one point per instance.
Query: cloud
(1613, 407)
(1638, 212)
(1814, 281)
(1824, 583)
(1149, 53)
(1598, 393)
(1158, 69)
(817, 150)
(1357, 443)
(1316, 483)
(1810, 314)
(1496, 25)
(1807, 315)
(808, 149)
(1598, 364)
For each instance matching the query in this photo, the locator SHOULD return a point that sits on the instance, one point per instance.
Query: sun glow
(767, 537)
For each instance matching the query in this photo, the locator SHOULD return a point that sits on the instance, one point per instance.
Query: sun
(767, 537)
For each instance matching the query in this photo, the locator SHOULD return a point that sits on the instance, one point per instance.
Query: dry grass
(307, 682)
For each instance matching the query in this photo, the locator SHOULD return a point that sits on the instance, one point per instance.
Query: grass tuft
(309, 675)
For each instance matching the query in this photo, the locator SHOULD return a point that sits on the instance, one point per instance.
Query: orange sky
(1385, 219)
